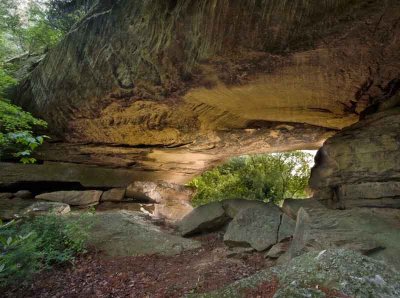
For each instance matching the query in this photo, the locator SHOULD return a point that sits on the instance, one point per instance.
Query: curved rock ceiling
(172, 87)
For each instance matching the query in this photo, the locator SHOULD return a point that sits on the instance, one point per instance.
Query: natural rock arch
(161, 90)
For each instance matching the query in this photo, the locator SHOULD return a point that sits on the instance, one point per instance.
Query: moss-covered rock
(316, 273)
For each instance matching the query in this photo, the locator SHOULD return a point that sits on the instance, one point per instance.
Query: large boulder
(259, 227)
(327, 273)
(360, 166)
(74, 198)
(205, 218)
(126, 233)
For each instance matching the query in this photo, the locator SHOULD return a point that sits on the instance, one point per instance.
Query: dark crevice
(38, 187)
(279, 226)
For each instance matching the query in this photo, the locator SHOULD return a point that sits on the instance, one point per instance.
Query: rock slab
(126, 233)
(113, 195)
(74, 198)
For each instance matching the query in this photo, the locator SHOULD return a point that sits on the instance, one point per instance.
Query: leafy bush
(36, 244)
(17, 140)
(265, 177)
(19, 255)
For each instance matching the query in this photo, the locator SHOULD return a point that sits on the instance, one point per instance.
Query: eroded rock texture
(166, 89)
(360, 166)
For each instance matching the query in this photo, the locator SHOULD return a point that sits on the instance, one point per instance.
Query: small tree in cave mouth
(265, 177)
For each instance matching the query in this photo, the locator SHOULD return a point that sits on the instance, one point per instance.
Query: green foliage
(6, 81)
(26, 30)
(40, 34)
(63, 14)
(266, 177)
(17, 140)
(19, 254)
(36, 244)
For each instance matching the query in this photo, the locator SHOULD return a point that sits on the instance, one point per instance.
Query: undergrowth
(36, 244)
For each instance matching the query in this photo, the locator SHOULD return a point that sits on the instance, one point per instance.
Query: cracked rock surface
(259, 228)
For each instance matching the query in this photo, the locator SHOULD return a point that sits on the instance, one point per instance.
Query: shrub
(36, 244)
(265, 177)
(17, 140)
(19, 255)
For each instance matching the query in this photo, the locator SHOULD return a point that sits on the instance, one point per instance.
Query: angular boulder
(42, 208)
(113, 195)
(258, 227)
(205, 218)
(74, 198)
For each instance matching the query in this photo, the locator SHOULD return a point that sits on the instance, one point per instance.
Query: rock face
(259, 228)
(73, 198)
(210, 58)
(123, 233)
(176, 86)
(360, 166)
(342, 273)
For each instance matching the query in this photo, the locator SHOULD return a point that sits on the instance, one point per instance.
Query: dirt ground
(196, 271)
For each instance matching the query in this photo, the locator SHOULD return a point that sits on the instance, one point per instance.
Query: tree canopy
(39, 25)
(266, 177)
